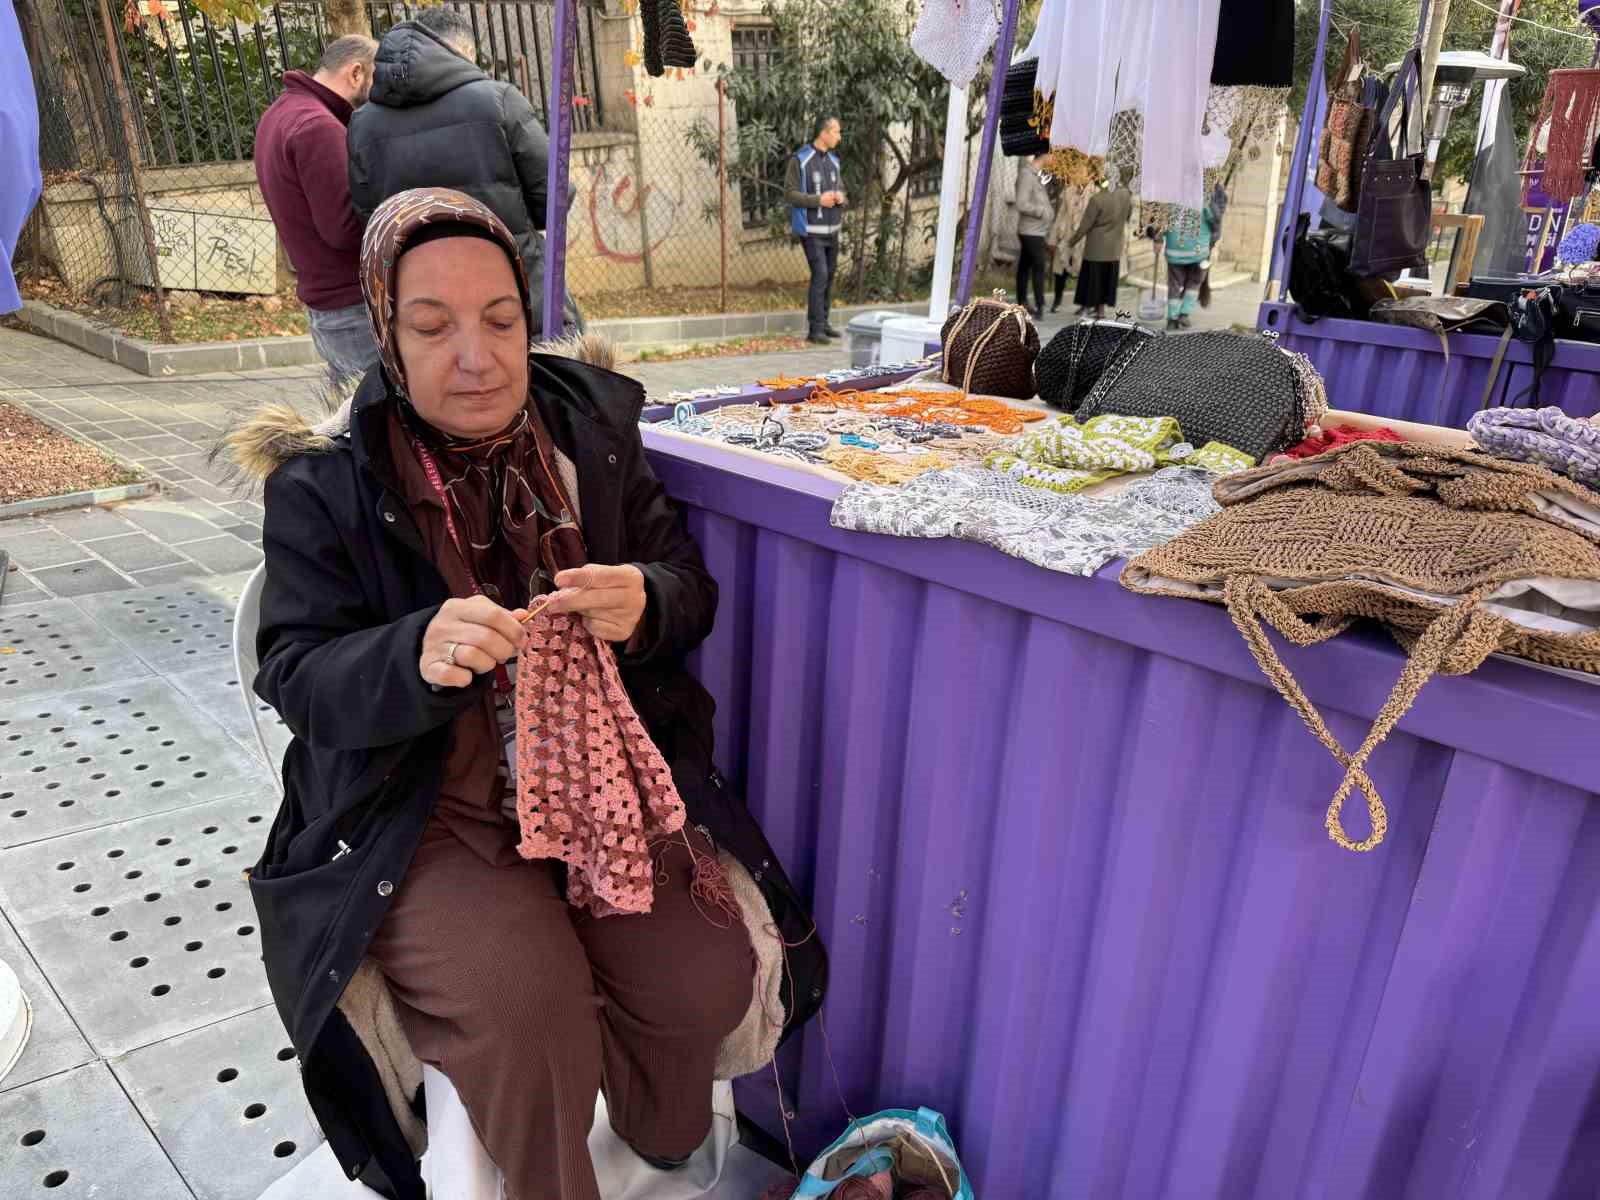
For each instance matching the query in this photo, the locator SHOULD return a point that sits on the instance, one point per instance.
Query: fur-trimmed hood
(263, 440)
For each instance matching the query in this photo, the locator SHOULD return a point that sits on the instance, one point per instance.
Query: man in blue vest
(814, 188)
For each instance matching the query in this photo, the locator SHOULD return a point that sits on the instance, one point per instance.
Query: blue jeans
(343, 336)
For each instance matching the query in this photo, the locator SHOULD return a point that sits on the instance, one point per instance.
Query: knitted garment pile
(1065, 456)
(1070, 533)
(1547, 436)
(592, 789)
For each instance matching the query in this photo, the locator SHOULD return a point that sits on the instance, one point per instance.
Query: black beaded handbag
(1240, 389)
(1072, 362)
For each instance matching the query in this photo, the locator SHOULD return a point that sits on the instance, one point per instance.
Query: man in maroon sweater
(303, 168)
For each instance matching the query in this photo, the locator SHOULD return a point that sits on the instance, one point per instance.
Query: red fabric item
(303, 168)
(592, 789)
(1340, 435)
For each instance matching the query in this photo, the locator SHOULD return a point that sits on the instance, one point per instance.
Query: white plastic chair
(456, 1166)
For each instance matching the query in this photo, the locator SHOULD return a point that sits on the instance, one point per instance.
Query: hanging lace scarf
(952, 36)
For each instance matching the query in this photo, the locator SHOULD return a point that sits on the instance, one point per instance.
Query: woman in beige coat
(1102, 231)
(1066, 255)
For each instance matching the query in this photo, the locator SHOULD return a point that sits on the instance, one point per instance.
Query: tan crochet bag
(1459, 555)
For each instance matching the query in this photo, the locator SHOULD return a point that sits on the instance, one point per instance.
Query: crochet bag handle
(1450, 635)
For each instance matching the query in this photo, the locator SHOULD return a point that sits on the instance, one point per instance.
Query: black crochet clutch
(1072, 362)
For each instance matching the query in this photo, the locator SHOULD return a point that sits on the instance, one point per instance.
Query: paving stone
(130, 427)
(54, 1043)
(136, 552)
(57, 647)
(225, 553)
(173, 627)
(226, 1103)
(181, 572)
(20, 591)
(44, 549)
(162, 444)
(78, 1135)
(87, 524)
(84, 758)
(146, 927)
(168, 522)
(82, 579)
(217, 693)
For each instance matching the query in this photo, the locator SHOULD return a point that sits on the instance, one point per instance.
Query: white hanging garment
(1182, 45)
(952, 36)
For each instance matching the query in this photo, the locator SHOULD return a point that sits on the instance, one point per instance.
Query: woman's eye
(427, 331)
(503, 326)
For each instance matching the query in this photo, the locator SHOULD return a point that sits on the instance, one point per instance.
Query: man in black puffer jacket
(435, 120)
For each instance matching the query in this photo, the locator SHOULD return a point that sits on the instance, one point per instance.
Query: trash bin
(864, 336)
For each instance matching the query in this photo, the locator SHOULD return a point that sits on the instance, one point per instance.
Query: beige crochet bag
(1459, 556)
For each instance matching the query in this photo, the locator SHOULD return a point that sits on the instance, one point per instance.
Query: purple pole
(1295, 195)
(991, 122)
(563, 53)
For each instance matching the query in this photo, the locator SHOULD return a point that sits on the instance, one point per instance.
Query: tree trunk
(346, 17)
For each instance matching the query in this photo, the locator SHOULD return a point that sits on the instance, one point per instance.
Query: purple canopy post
(991, 121)
(555, 212)
(1293, 198)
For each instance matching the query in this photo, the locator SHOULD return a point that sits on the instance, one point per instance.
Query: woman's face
(461, 336)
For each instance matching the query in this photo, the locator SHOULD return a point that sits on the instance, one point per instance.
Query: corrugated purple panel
(1402, 373)
(1066, 850)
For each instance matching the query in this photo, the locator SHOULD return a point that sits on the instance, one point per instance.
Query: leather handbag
(1346, 131)
(1395, 210)
(989, 348)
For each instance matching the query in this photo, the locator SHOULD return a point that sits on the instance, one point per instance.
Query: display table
(1065, 845)
(1395, 371)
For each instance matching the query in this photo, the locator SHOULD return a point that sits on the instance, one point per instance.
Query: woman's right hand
(477, 633)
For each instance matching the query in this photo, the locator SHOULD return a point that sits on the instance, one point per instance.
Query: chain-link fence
(151, 208)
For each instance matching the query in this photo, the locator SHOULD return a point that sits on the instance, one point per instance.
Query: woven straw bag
(1459, 555)
(989, 348)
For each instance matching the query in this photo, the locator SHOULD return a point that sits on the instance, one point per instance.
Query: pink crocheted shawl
(592, 789)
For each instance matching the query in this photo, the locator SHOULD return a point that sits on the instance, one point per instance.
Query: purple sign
(1546, 220)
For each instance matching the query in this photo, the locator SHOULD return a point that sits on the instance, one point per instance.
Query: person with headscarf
(503, 849)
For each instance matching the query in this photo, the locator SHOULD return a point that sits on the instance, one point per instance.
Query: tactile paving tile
(146, 928)
(173, 627)
(54, 1043)
(226, 1104)
(88, 757)
(216, 692)
(49, 647)
(77, 1135)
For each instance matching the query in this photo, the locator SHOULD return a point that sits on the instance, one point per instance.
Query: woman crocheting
(498, 849)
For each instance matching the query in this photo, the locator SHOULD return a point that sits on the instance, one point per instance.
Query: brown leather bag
(1346, 131)
(989, 348)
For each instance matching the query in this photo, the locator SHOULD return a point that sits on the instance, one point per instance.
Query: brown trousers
(529, 1007)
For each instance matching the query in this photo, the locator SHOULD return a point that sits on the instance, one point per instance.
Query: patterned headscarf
(505, 496)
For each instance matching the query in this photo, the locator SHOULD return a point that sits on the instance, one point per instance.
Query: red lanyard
(430, 468)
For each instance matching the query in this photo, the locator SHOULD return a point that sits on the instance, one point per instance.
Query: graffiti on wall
(615, 205)
(201, 250)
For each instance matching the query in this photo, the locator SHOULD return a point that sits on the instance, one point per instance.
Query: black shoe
(817, 339)
(830, 331)
(1056, 307)
(1038, 313)
(662, 1164)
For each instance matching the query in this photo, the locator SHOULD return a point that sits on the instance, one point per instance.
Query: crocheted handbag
(989, 347)
(1071, 362)
(1458, 554)
(1346, 131)
(1236, 388)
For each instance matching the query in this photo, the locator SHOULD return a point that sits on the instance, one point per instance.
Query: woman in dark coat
(481, 496)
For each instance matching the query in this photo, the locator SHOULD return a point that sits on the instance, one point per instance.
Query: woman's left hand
(609, 599)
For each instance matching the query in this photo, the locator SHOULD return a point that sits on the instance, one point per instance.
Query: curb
(110, 495)
(252, 354)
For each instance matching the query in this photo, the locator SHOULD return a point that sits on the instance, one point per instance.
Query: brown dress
(531, 1007)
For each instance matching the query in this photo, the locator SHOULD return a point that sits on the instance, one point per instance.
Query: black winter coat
(349, 590)
(435, 120)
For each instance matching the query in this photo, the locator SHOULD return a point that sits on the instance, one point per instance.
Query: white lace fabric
(1073, 534)
(952, 36)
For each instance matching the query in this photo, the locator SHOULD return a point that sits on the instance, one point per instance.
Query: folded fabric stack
(1064, 456)
(1547, 436)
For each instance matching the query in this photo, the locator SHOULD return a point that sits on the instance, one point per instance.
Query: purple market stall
(1066, 850)
(1065, 846)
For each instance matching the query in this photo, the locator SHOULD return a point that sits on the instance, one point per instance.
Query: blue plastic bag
(879, 1132)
